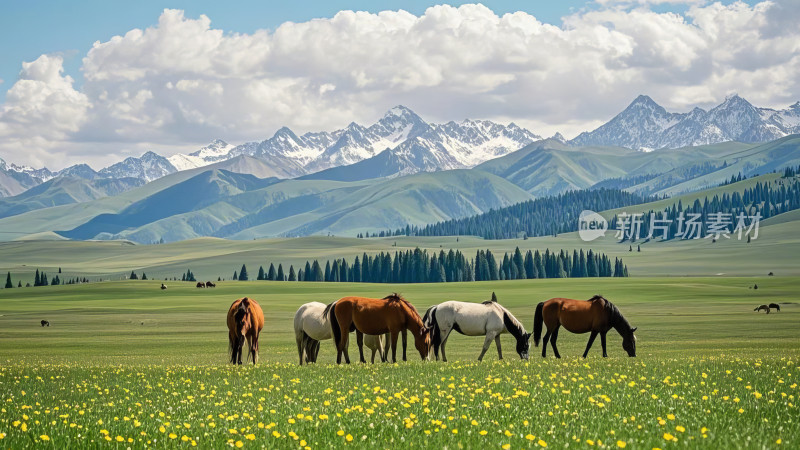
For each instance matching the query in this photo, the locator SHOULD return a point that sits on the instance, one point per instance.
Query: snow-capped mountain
(42, 174)
(645, 125)
(79, 171)
(216, 151)
(148, 167)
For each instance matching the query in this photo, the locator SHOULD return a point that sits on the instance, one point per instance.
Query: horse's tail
(436, 335)
(337, 332)
(538, 320)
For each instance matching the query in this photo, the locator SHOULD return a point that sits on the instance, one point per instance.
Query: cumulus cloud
(183, 82)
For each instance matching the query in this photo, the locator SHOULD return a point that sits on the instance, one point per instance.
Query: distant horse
(210, 284)
(488, 319)
(378, 344)
(596, 315)
(200, 284)
(391, 314)
(163, 286)
(775, 306)
(45, 323)
(245, 321)
(764, 307)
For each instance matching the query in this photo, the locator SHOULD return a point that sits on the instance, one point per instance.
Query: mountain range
(645, 125)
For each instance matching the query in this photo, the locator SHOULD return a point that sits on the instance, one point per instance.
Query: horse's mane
(490, 301)
(395, 297)
(513, 325)
(615, 318)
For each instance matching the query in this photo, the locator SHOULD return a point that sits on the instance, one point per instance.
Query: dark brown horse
(596, 315)
(245, 321)
(210, 284)
(200, 284)
(775, 306)
(392, 314)
(764, 307)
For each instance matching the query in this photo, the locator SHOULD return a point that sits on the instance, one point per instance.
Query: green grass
(127, 358)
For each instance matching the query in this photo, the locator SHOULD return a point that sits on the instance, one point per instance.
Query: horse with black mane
(245, 321)
(488, 319)
(376, 316)
(596, 315)
(775, 306)
(764, 307)
(45, 323)
(200, 284)
(210, 284)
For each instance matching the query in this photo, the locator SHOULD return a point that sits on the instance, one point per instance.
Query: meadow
(125, 364)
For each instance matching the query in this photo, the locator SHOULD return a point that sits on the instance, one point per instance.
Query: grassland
(128, 363)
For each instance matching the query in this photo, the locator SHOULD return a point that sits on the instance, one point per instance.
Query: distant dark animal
(488, 319)
(391, 314)
(771, 274)
(210, 284)
(45, 323)
(245, 321)
(775, 306)
(764, 307)
(200, 284)
(163, 286)
(755, 286)
(596, 315)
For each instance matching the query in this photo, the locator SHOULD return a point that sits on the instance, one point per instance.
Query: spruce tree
(271, 275)
(260, 276)
(292, 276)
(280, 276)
(243, 273)
(8, 281)
(235, 276)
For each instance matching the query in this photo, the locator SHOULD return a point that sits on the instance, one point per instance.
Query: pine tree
(37, 279)
(316, 272)
(280, 276)
(133, 276)
(19, 283)
(235, 276)
(144, 276)
(243, 273)
(271, 275)
(260, 276)
(292, 276)
(8, 281)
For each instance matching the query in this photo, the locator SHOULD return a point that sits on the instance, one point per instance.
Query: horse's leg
(394, 345)
(603, 343)
(405, 337)
(545, 339)
(553, 340)
(315, 351)
(486, 343)
(387, 338)
(301, 344)
(444, 341)
(497, 343)
(360, 341)
(589, 344)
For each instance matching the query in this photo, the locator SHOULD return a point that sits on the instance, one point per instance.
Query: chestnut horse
(392, 314)
(245, 321)
(596, 315)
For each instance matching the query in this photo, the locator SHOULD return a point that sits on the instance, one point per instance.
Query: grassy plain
(125, 364)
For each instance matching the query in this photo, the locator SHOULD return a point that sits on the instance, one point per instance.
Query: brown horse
(775, 306)
(596, 315)
(392, 314)
(200, 284)
(245, 321)
(764, 307)
(210, 284)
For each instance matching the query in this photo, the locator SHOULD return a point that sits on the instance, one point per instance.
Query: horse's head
(242, 317)
(629, 342)
(523, 345)
(422, 341)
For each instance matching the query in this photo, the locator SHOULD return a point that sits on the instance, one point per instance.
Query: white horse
(476, 319)
(311, 326)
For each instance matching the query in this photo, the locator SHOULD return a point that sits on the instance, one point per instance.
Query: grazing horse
(200, 284)
(775, 306)
(764, 307)
(163, 286)
(210, 284)
(245, 321)
(392, 314)
(596, 315)
(488, 319)
(311, 326)
(45, 323)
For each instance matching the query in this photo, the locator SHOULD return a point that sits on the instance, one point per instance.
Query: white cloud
(183, 82)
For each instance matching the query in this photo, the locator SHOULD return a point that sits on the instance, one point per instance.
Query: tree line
(420, 266)
(765, 199)
(540, 217)
(41, 279)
